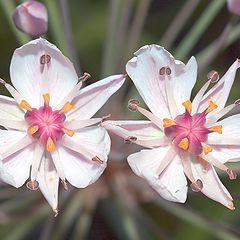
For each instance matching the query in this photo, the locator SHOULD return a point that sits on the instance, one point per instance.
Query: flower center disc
(45, 124)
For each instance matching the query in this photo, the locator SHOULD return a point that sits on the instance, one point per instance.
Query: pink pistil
(48, 123)
(190, 127)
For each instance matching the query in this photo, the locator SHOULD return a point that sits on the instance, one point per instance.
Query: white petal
(92, 98)
(171, 184)
(9, 138)
(48, 181)
(78, 166)
(28, 77)
(144, 71)
(212, 186)
(16, 168)
(230, 132)
(220, 92)
(145, 131)
(9, 109)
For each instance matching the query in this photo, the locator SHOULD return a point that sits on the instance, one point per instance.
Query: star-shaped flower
(49, 130)
(185, 137)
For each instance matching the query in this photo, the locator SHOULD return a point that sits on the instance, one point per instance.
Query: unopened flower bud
(31, 17)
(234, 6)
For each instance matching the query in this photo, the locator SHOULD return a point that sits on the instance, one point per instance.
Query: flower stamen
(67, 107)
(97, 159)
(33, 129)
(203, 162)
(25, 105)
(206, 148)
(46, 98)
(168, 122)
(50, 145)
(217, 129)
(188, 105)
(68, 131)
(184, 144)
(211, 106)
(32, 185)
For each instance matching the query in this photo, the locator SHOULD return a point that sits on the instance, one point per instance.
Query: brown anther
(197, 186)
(231, 174)
(2, 81)
(105, 117)
(64, 184)
(237, 102)
(168, 71)
(45, 59)
(213, 76)
(84, 77)
(97, 159)
(162, 71)
(32, 185)
(130, 139)
(133, 104)
(56, 212)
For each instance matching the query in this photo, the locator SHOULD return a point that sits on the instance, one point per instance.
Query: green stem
(178, 23)
(198, 29)
(55, 24)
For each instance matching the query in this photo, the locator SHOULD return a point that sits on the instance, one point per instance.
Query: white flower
(49, 133)
(184, 137)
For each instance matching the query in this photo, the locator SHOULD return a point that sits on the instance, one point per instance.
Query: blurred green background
(99, 37)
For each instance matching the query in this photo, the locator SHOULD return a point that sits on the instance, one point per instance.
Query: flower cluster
(50, 134)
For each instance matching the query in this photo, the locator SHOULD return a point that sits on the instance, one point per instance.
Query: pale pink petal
(225, 153)
(146, 133)
(48, 181)
(77, 153)
(17, 166)
(9, 109)
(220, 92)
(9, 138)
(212, 186)
(230, 132)
(92, 97)
(144, 70)
(171, 184)
(30, 77)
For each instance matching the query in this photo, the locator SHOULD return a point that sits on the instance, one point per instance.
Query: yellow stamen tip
(69, 132)
(203, 162)
(33, 129)
(50, 145)
(211, 106)
(168, 122)
(184, 143)
(46, 98)
(217, 129)
(25, 105)
(188, 105)
(206, 148)
(67, 107)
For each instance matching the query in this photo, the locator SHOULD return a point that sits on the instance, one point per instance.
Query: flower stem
(198, 29)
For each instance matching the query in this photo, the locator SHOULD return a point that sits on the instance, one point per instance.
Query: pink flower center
(46, 123)
(188, 132)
